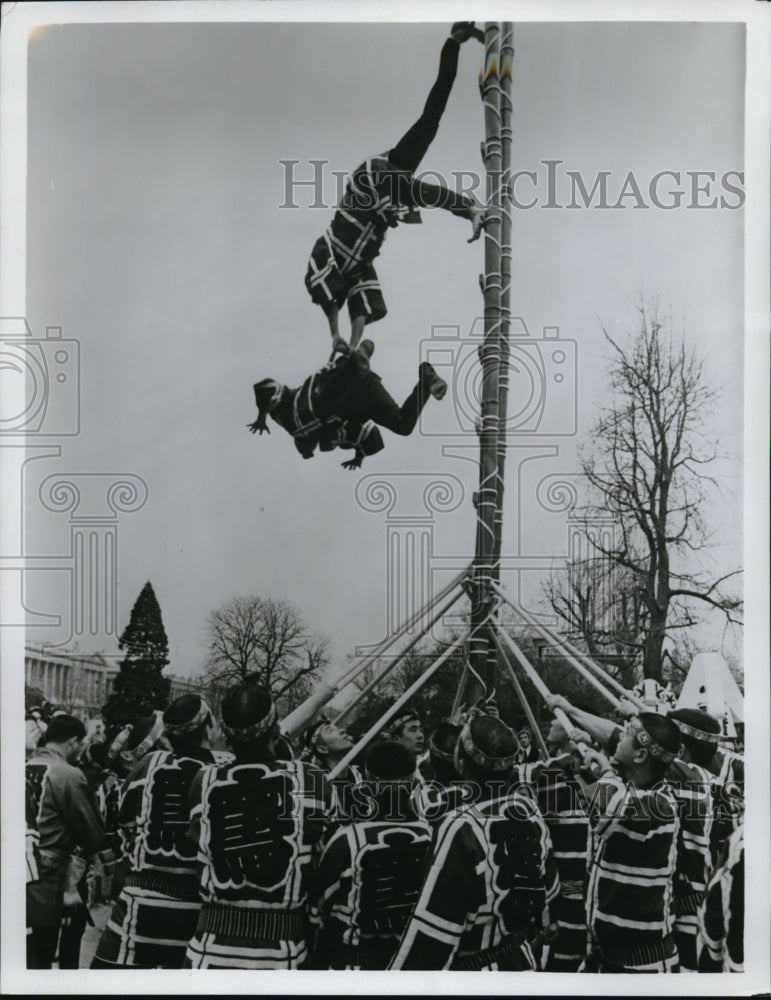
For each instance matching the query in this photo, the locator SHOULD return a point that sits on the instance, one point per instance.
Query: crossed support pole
(299, 719)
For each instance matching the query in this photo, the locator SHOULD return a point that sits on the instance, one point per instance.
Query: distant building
(81, 683)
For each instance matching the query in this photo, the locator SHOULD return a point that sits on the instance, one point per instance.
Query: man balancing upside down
(380, 194)
(338, 406)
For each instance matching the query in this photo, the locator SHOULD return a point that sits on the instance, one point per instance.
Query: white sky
(155, 238)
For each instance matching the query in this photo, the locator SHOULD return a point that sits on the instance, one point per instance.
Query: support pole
(505, 77)
(537, 736)
(506, 66)
(455, 713)
(482, 672)
(578, 660)
(394, 663)
(392, 711)
(300, 717)
(531, 672)
(564, 720)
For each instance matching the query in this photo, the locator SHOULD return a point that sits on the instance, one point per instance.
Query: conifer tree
(140, 686)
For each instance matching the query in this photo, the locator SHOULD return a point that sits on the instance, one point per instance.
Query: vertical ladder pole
(505, 71)
(482, 672)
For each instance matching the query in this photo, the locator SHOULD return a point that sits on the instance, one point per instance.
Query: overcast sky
(155, 238)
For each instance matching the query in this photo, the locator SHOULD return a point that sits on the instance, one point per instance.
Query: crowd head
(699, 732)
(407, 729)
(189, 724)
(647, 746)
(441, 749)
(67, 733)
(249, 719)
(486, 749)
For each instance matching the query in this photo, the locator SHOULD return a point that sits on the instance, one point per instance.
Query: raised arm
(598, 728)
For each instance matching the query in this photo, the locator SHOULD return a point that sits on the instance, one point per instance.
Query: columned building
(80, 683)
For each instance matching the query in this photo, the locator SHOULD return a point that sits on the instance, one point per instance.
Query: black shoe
(362, 354)
(466, 30)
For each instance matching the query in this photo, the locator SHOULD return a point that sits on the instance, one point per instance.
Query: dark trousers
(73, 929)
(412, 147)
(41, 946)
(367, 398)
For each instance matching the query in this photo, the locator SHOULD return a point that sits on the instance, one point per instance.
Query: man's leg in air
(411, 148)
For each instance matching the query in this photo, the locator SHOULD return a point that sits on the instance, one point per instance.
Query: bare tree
(647, 466)
(603, 611)
(252, 635)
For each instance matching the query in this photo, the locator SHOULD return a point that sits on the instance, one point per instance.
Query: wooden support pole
(564, 720)
(573, 662)
(537, 735)
(391, 712)
(578, 660)
(397, 659)
(505, 72)
(301, 717)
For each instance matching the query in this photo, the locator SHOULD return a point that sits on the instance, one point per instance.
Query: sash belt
(238, 921)
(475, 961)
(182, 888)
(686, 906)
(368, 955)
(659, 951)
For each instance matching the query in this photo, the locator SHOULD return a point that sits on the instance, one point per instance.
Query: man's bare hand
(558, 701)
(628, 708)
(259, 426)
(339, 346)
(479, 220)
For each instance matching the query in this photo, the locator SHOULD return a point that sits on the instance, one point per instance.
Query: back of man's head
(487, 748)
(390, 768)
(665, 736)
(389, 761)
(699, 732)
(249, 716)
(62, 728)
(441, 748)
(186, 722)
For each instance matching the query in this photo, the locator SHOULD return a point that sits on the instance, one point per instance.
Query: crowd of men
(619, 851)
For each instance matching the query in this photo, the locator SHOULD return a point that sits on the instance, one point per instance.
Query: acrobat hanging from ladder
(382, 192)
(340, 405)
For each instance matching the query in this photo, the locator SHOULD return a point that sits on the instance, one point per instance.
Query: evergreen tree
(140, 686)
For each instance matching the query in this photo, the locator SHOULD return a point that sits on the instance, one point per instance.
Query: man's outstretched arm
(427, 195)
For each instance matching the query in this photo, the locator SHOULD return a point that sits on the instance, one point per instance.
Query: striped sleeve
(720, 940)
(632, 871)
(331, 884)
(433, 933)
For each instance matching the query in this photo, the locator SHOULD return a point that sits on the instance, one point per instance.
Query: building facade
(80, 683)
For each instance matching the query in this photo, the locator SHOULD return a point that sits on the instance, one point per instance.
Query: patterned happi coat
(257, 827)
(491, 878)
(157, 910)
